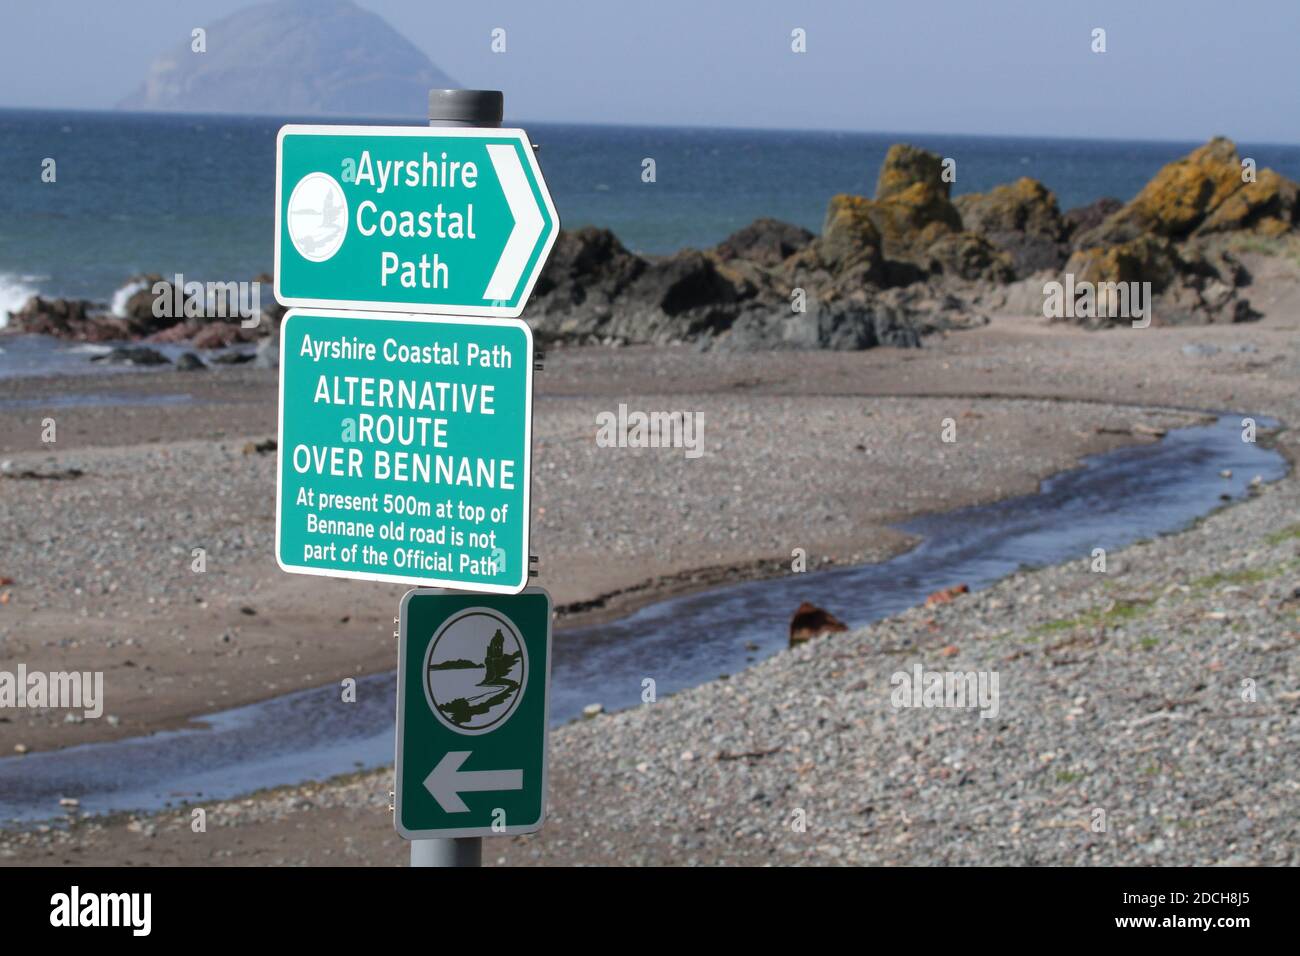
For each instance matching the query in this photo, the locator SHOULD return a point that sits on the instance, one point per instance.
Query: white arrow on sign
(528, 222)
(447, 781)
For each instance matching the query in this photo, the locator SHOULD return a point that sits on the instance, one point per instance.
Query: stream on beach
(1109, 501)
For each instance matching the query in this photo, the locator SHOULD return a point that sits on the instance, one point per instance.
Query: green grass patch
(1115, 613)
(1248, 575)
(1291, 533)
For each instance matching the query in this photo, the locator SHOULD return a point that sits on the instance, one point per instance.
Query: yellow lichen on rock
(849, 236)
(1203, 192)
(1266, 206)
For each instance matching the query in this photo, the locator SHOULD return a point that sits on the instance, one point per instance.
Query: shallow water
(26, 356)
(1110, 501)
(200, 199)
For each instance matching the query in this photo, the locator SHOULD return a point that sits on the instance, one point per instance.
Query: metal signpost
(406, 439)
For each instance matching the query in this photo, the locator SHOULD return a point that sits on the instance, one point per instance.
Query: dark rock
(586, 264)
(1081, 219)
(189, 362)
(968, 255)
(140, 305)
(766, 242)
(839, 326)
(37, 474)
(682, 282)
(132, 355)
(77, 319)
(810, 621)
(233, 358)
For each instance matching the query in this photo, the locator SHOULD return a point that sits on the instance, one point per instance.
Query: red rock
(947, 594)
(810, 621)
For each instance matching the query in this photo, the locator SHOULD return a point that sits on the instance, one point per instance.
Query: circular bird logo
(317, 216)
(475, 671)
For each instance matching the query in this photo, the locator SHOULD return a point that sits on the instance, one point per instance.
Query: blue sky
(1174, 69)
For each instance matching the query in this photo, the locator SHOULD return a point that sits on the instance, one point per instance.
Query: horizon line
(377, 119)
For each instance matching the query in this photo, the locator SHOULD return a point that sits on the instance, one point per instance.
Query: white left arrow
(528, 223)
(447, 781)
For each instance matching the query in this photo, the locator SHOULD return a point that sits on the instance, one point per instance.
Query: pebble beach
(1120, 691)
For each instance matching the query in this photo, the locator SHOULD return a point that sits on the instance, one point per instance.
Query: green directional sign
(410, 219)
(473, 707)
(405, 449)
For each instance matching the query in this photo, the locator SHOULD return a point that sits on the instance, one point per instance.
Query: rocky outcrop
(885, 271)
(1022, 220)
(851, 247)
(909, 232)
(1191, 283)
(139, 307)
(1203, 193)
(843, 326)
(594, 290)
(150, 314)
(1267, 207)
(921, 227)
(1167, 236)
(764, 242)
(77, 319)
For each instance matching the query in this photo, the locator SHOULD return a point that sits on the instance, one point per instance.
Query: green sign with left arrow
(473, 707)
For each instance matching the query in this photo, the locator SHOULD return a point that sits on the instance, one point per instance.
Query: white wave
(14, 293)
(123, 295)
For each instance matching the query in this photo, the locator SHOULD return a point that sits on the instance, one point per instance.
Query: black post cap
(466, 107)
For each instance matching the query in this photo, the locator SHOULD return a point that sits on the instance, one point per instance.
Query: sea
(164, 193)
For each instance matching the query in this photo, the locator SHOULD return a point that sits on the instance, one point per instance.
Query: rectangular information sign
(405, 449)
